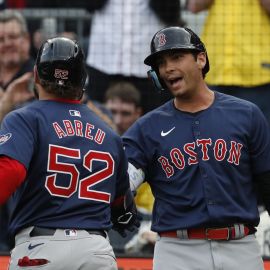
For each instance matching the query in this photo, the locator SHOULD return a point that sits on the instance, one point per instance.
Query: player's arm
(136, 177)
(263, 184)
(196, 6)
(12, 174)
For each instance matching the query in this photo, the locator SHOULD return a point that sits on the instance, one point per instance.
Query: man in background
(123, 99)
(117, 49)
(14, 47)
(15, 61)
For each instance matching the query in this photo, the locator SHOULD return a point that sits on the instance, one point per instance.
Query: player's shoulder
(232, 102)
(34, 111)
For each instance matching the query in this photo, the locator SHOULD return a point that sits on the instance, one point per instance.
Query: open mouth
(175, 81)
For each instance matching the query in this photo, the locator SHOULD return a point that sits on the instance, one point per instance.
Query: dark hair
(67, 91)
(125, 91)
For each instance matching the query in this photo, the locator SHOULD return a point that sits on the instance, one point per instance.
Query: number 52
(84, 185)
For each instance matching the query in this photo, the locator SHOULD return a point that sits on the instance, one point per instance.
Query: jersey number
(85, 185)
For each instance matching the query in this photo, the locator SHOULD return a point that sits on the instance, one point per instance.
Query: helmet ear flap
(155, 80)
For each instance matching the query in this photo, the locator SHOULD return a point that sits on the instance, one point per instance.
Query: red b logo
(161, 40)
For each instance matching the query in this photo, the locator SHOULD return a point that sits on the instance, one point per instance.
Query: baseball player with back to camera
(202, 153)
(68, 168)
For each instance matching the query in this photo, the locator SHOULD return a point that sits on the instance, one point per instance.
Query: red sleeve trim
(12, 174)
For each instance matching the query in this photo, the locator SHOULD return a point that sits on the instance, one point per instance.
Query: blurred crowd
(116, 41)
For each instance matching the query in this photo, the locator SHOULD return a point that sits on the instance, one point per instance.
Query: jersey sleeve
(17, 139)
(259, 142)
(122, 184)
(12, 174)
(135, 147)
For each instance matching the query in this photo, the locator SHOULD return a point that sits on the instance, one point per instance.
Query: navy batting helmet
(174, 38)
(61, 60)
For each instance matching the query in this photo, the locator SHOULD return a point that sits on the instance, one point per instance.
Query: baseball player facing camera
(202, 153)
(65, 169)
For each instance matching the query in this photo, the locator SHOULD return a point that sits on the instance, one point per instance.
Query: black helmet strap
(155, 80)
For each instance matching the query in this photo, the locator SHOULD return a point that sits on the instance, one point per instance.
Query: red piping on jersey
(12, 174)
(66, 100)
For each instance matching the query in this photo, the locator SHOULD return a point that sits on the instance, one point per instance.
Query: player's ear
(37, 83)
(36, 77)
(201, 60)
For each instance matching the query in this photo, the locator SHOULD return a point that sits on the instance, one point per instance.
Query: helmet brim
(150, 59)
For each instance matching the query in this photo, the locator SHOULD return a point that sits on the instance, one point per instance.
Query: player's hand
(124, 214)
(16, 94)
(18, 91)
(128, 221)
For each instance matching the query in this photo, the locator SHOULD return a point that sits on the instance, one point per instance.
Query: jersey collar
(64, 100)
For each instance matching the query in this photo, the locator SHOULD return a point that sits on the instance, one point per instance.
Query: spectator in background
(123, 99)
(15, 64)
(14, 47)
(237, 36)
(15, 61)
(117, 46)
(42, 29)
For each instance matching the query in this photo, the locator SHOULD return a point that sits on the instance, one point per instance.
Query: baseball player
(202, 153)
(68, 168)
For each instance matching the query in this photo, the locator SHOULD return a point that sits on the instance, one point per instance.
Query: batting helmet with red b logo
(173, 38)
